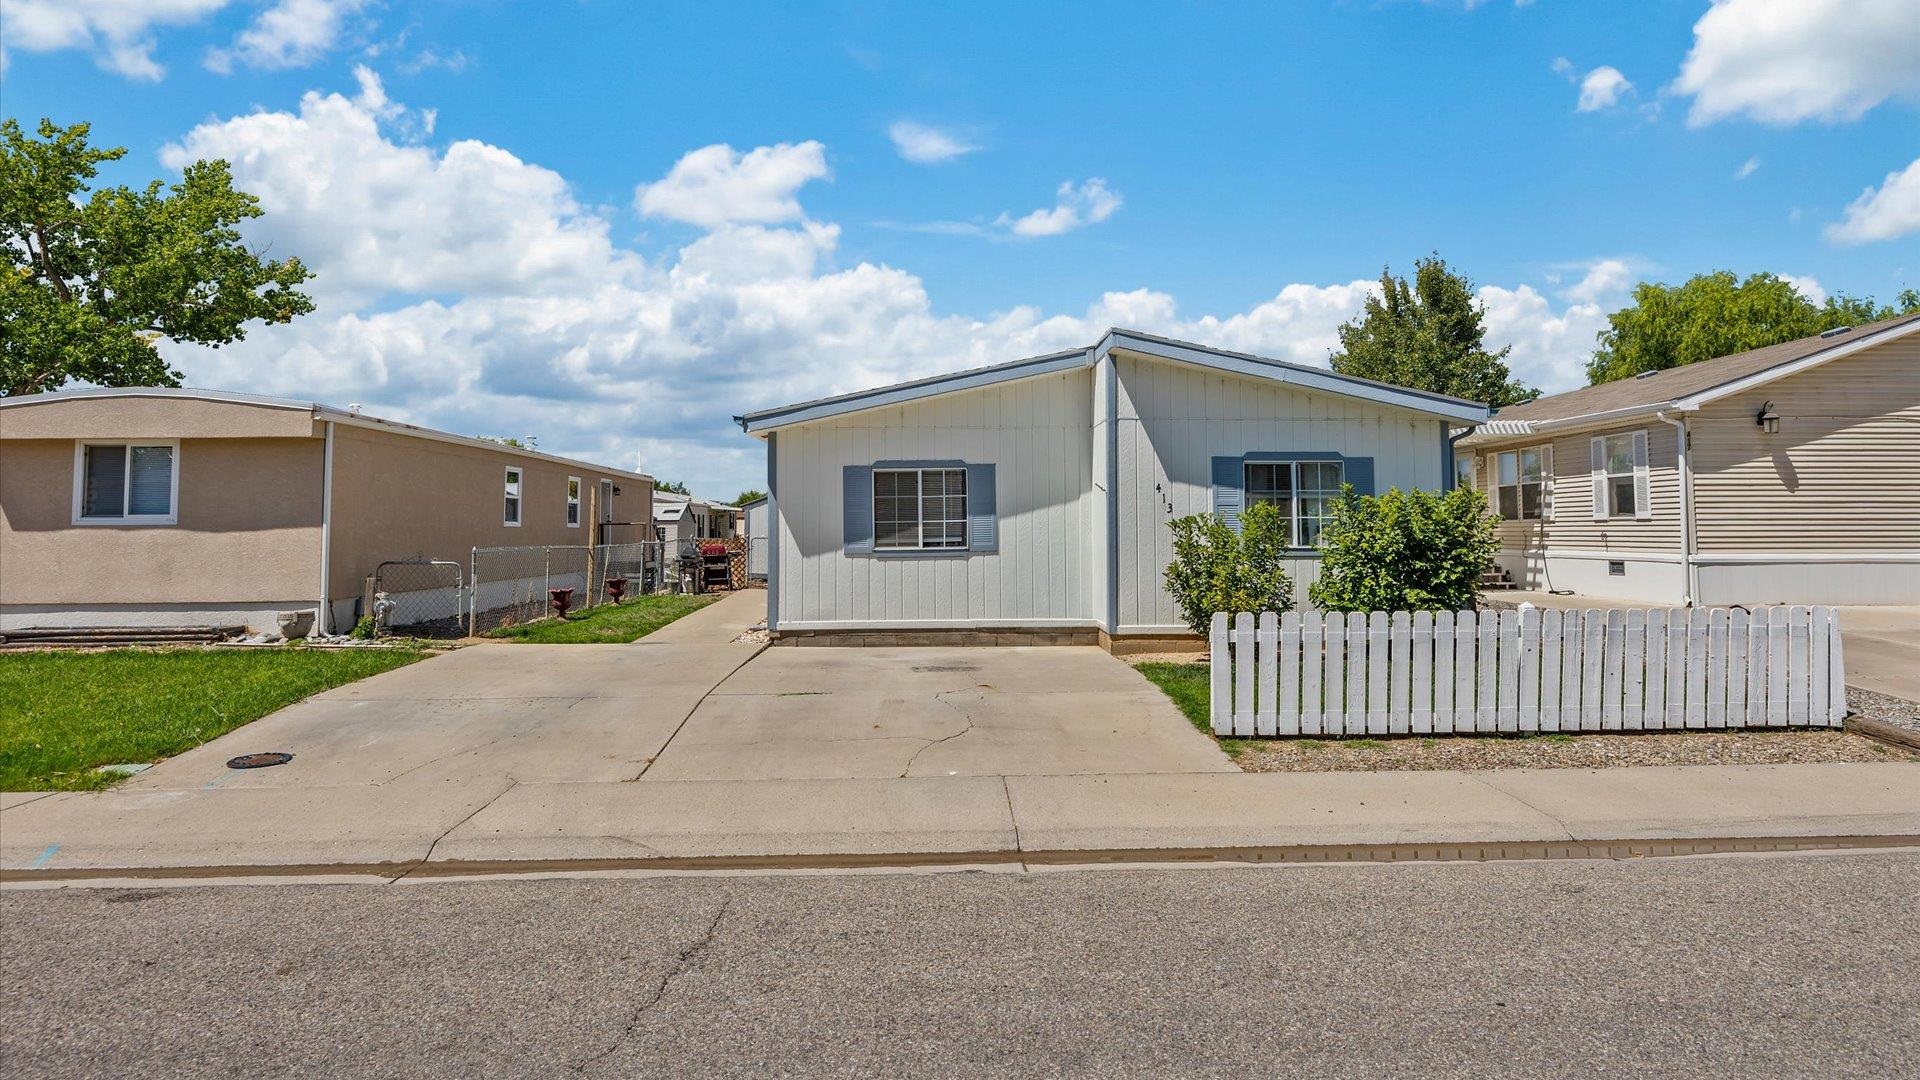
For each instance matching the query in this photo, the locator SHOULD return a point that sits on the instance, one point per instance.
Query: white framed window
(1521, 480)
(573, 502)
(1620, 476)
(126, 483)
(919, 509)
(510, 513)
(1305, 491)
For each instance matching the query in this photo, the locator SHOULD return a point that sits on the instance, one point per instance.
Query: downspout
(322, 619)
(1686, 506)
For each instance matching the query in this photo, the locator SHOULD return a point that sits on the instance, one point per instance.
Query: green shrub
(1405, 551)
(363, 629)
(1216, 569)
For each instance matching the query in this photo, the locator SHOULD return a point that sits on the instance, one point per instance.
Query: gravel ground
(1560, 751)
(1891, 710)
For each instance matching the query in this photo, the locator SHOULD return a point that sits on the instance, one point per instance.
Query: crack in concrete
(424, 859)
(679, 966)
(1491, 786)
(931, 743)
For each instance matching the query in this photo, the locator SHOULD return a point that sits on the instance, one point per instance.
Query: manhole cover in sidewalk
(258, 761)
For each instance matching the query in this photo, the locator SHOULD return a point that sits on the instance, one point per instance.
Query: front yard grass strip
(608, 623)
(64, 713)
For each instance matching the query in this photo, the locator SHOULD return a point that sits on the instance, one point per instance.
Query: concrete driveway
(1883, 649)
(799, 713)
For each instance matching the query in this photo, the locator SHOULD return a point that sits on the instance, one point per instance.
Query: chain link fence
(512, 585)
(422, 598)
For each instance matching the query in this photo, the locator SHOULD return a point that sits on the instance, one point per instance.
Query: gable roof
(1313, 378)
(1685, 388)
(319, 411)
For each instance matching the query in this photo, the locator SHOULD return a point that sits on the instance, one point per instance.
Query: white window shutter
(1642, 506)
(1597, 455)
(1546, 482)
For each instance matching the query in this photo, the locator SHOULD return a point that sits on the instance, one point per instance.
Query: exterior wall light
(1767, 419)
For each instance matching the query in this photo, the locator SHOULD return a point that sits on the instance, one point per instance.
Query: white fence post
(1313, 702)
(1551, 645)
(1220, 688)
(1420, 681)
(1287, 722)
(1443, 671)
(1836, 673)
(1243, 665)
(1266, 717)
(1377, 656)
(1633, 712)
(1354, 722)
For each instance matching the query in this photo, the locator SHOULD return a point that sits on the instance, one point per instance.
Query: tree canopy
(94, 278)
(1718, 314)
(747, 496)
(1428, 336)
(674, 486)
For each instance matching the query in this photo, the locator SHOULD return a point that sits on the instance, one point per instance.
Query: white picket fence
(1422, 672)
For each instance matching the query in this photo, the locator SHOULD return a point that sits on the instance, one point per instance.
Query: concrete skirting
(936, 638)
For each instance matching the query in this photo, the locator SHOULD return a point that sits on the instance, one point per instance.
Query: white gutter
(1686, 505)
(322, 617)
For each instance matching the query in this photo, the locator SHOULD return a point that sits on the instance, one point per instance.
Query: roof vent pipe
(1835, 332)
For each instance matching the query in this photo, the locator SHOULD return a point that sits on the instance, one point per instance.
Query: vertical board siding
(1372, 673)
(1035, 431)
(1174, 419)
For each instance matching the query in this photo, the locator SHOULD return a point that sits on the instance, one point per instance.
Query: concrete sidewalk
(716, 624)
(451, 826)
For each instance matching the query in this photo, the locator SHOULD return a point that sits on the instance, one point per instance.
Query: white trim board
(1575, 553)
(1319, 379)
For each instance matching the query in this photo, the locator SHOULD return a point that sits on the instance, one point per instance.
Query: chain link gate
(423, 598)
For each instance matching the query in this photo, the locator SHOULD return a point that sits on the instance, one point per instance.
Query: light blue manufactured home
(1029, 501)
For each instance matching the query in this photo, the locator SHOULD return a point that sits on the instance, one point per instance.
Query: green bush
(1405, 551)
(364, 629)
(1216, 569)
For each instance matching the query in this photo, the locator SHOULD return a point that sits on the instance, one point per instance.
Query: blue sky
(616, 225)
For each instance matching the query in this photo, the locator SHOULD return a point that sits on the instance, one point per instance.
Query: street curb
(1883, 732)
(1501, 851)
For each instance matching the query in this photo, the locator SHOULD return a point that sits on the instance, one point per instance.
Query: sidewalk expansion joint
(707, 693)
(424, 859)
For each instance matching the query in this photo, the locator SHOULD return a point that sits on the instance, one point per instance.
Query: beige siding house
(1789, 474)
(1030, 501)
(143, 507)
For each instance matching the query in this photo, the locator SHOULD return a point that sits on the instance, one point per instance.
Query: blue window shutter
(1229, 475)
(856, 510)
(983, 525)
(1360, 475)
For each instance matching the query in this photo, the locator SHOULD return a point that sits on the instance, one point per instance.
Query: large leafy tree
(93, 279)
(747, 496)
(1430, 335)
(1718, 314)
(674, 486)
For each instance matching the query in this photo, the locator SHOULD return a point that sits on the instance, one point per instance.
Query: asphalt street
(1722, 966)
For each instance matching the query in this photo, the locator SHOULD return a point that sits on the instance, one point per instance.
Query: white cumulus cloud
(926, 145)
(1075, 206)
(1786, 61)
(119, 33)
(1602, 88)
(717, 185)
(286, 34)
(1887, 212)
(465, 288)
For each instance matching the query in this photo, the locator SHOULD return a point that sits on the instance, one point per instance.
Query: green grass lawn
(627, 621)
(1190, 688)
(63, 713)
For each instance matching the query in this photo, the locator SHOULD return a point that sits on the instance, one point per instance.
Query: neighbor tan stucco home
(142, 507)
(1789, 474)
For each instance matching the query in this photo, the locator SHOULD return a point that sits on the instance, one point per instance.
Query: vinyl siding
(1841, 475)
(1573, 527)
(1173, 419)
(1036, 431)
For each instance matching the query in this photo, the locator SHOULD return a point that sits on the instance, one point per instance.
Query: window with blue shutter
(1302, 484)
(920, 508)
